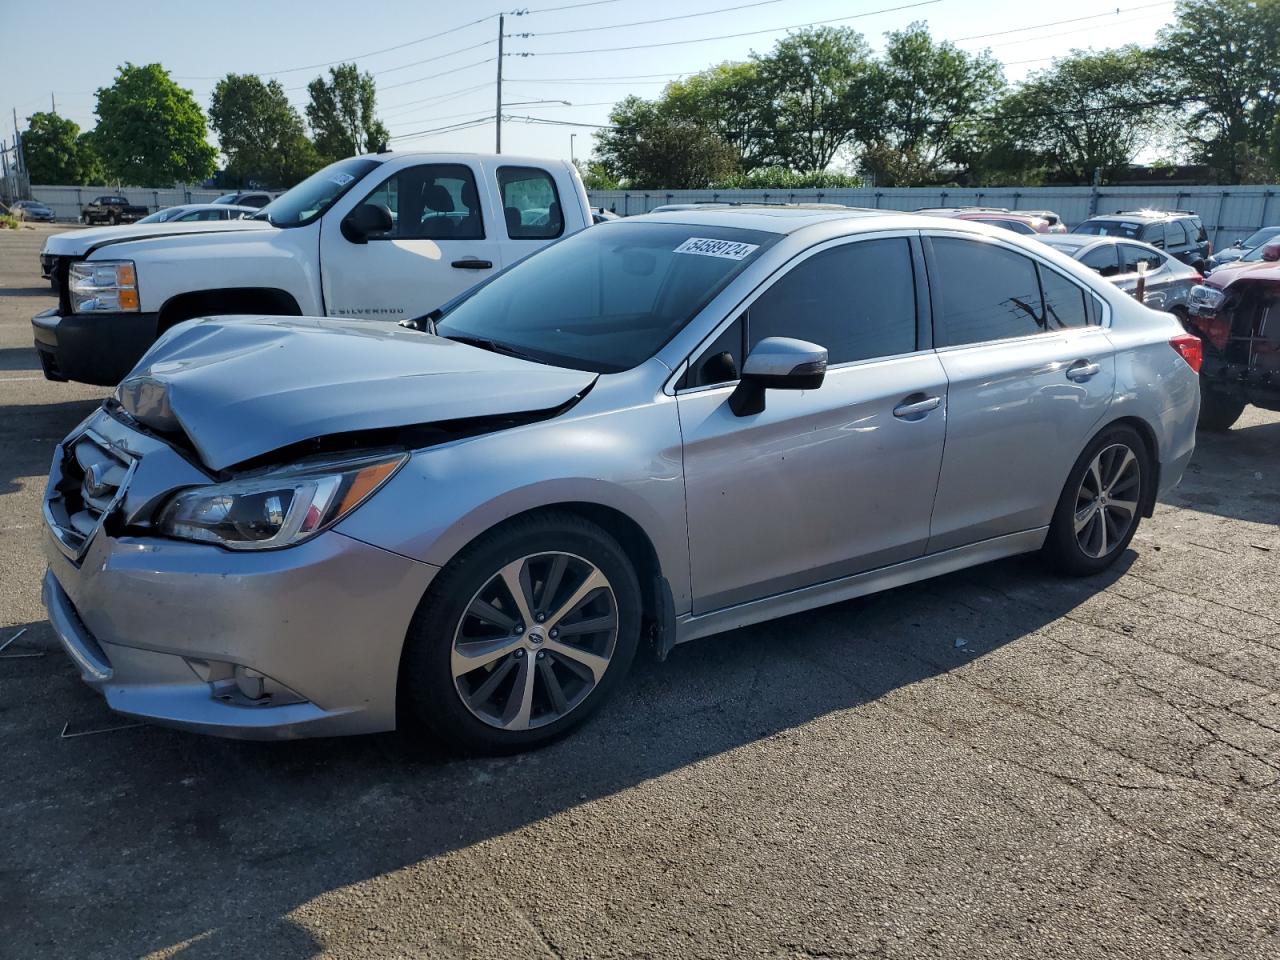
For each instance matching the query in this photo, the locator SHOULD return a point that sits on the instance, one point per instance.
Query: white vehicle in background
(383, 237)
(198, 213)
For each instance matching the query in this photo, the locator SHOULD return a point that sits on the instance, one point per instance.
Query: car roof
(790, 219)
(1146, 215)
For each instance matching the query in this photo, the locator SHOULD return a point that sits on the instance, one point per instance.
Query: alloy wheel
(1107, 501)
(534, 641)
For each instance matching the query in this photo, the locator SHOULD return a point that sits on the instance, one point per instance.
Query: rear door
(1132, 257)
(442, 242)
(1030, 375)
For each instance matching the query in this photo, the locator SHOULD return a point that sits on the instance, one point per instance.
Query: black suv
(1178, 233)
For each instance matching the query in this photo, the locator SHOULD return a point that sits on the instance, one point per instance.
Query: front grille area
(92, 478)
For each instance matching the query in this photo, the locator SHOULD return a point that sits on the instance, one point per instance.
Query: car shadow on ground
(19, 358)
(1234, 474)
(43, 290)
(28, 434)
(225, 838)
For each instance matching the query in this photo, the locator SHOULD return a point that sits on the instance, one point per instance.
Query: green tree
(56, 151)
(260, 132)
(928, 100)
(646, 150)
(1087, 112)
(816, 88)
(343, 114)
(151, 131)
(1221, 67)
(726, 98)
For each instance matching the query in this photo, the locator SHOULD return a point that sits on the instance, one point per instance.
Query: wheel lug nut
(541, 617)
(519, 628)
(519, 654)
(553, 633)
(541, 654)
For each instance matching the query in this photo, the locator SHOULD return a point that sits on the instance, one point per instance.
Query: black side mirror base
(747, 398)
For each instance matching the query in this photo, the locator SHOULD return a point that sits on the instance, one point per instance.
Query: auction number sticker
(342, 179)
(725, 249)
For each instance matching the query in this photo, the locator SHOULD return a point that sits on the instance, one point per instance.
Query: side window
(721, 361)
(1197, 226)
(530, 204)
(1102, 260)
(1065, 307)
(1153, 234)
(1131, 256)
(434, 201)
(858, 300)
(983, 292)
(1176, 235)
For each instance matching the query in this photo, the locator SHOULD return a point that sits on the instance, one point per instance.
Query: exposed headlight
(103, 286)
(1205, 299)
(277, 509)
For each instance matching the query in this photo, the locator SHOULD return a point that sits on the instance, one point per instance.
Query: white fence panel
(67, 202)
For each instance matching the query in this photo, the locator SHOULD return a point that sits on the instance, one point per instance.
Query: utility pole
(571, 136)
(18, 165)
(53, 104)
(497, 117)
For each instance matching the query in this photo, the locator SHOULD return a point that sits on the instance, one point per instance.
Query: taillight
(1189, 348)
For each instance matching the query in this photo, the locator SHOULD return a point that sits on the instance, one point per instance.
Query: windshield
(607, 298)
(1260, 237)
(316, 194)
(1129, 229)
(161, 216)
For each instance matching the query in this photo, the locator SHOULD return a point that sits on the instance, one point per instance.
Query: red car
(1038, 221)
(1236, 313)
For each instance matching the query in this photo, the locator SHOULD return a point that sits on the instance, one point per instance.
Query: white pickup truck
(384, 236)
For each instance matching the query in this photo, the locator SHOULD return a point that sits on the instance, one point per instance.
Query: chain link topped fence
(67, 202)
(1229, 213)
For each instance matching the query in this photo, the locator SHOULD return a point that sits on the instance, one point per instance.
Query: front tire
(522, 636)
(1101, 504)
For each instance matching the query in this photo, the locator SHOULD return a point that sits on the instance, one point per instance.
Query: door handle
(472, 264)
(916, 406)
(1083, 370)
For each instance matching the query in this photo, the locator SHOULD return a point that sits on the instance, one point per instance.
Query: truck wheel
(1101, 504)
(84, 218)
(1218, 412)
(522, 636)
(114, 219)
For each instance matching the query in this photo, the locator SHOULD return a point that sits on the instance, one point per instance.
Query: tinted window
(1198, 227)
(983, 292)
(1176, 235)
(530, 203)
(1065, 307)
(1260, 237)
(434, 201)
(857, 300)
(1102, 260)
(607, 298)
(1131, 256)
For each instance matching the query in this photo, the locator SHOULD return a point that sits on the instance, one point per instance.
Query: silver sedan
(1167, 281)
(654, 430)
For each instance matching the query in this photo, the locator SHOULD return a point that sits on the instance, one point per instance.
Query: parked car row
(577, 438)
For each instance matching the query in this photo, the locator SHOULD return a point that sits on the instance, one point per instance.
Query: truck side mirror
(777, 363)
(1271, 252)
(366, 220)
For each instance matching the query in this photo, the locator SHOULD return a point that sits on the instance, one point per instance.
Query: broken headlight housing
(276, 509)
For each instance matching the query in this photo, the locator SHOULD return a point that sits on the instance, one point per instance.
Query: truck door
(531, 211)
(442, 242)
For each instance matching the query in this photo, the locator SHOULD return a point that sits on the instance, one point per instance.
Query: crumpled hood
(77, 243)
(239, 387)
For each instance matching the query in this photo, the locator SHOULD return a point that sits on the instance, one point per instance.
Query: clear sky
(71, 48)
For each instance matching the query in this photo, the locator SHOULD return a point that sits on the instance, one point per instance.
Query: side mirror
(365, 220)
(1271, 252)
(778, 363)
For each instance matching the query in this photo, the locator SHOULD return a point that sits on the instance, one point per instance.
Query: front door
(1030, 375)
(441, 243)
(823, 483)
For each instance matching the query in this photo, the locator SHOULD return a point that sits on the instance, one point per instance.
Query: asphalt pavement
(998, 763)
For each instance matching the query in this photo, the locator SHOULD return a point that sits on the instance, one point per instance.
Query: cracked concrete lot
(1091, 772)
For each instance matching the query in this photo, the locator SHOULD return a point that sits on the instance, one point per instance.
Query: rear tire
(1100, 506)
(481, 678)
(1218, 413)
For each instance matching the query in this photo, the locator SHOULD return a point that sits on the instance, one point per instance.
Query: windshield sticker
(342, 179)
(725, 249)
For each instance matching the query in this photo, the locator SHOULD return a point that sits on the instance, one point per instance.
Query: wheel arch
(199, 303)
(1152, 443)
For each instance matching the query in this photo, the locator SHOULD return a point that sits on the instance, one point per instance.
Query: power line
(1062, 33)
(439, 98)
(641, 23)
(432, 76)
(727, 36)
(361, 56)
(634, 76)
(448, 128)
(569, 6)
(1058, 23)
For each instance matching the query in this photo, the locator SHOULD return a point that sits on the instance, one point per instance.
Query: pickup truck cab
(112, 208)
(383, 236)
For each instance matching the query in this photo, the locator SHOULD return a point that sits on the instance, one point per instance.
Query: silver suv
(659, 428)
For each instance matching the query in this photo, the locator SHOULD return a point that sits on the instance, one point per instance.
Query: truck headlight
(276, 509)
(1204, 299)
(103, 286)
